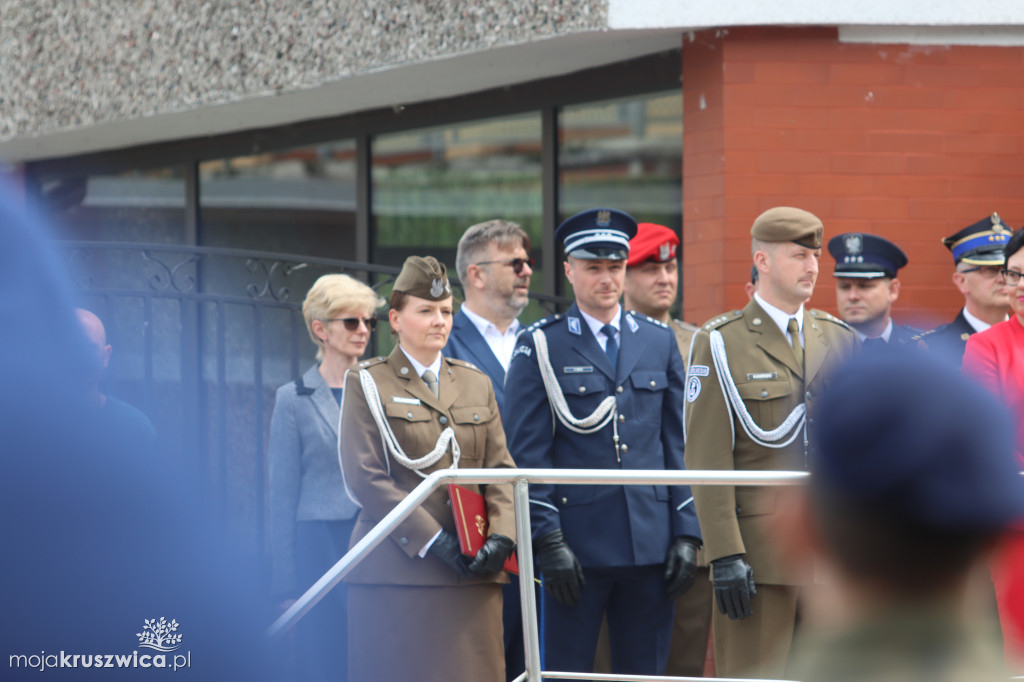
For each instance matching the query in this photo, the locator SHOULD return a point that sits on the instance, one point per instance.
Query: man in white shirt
(494, 265)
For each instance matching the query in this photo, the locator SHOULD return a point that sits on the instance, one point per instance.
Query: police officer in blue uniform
(603, 388)
(867, 285)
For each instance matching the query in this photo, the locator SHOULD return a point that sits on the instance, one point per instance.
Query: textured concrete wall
(71, 63)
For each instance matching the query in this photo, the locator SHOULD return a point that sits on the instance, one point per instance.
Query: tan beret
(423, 277)
(787, 224)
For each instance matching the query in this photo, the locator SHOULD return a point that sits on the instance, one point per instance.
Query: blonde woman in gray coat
(311, 517)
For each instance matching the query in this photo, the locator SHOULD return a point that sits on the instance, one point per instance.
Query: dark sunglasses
(352, 323)
(516, 263)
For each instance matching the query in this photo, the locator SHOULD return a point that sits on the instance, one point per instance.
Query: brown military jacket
(742, 520)
(379, 482)
(684, 332)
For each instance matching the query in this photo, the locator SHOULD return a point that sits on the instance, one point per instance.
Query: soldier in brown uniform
(652, 281)
(418, 609)
(754, 377)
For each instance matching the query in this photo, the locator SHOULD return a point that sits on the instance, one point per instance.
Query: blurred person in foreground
(903, 504)
(125, 425)
(311, 517)
(97, 540)
(418, 608)
(996, 357)
(977, 256)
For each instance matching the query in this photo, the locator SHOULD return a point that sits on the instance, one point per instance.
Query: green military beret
(423, 277)
(787, 224)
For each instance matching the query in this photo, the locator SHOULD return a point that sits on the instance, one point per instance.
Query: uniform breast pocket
(411, 424)
(583, 392)
(470, 424)
(648, 393)
(766, 400)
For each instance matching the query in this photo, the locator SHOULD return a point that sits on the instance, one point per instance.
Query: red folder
(470, 510)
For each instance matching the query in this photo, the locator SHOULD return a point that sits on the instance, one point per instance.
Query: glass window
(296, 201)
(625, 154)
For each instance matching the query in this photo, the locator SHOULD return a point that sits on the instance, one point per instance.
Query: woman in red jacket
(996, 357)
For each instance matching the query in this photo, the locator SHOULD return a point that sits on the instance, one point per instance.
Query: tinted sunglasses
(516, 263)
(352, 323)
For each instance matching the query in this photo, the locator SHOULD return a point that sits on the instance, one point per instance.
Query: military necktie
(611, 348)
(794, 332)
(431, 380)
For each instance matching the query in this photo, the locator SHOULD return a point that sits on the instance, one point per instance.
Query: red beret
(652, 242)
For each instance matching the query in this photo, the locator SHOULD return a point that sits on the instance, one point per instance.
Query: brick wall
(908, 142)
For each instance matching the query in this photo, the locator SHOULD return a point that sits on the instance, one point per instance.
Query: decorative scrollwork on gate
(175, 277)
(265, 288)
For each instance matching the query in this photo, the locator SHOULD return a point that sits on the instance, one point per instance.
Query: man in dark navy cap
(601, 388)
(867, 286)
(903, 503)
(978, 256)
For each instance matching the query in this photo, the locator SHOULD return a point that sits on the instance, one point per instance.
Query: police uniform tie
(431, 380)
(794, 333)
(611, 348)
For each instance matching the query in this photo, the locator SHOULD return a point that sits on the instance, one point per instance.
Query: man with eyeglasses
(494, 265)
(978, 255)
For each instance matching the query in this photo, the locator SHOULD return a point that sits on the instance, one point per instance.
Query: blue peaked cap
(597, 233)
(865, 256)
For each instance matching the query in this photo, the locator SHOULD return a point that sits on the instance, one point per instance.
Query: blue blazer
(466, 343)
(604, 525)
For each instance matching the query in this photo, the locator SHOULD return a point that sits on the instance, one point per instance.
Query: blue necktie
(611, 348)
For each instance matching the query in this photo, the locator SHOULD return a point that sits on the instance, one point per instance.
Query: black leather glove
(563, 575)
(491, 556)
(734, 586)
(446, 548)
(680, 566)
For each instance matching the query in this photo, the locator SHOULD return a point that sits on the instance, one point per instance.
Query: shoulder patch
(716, 322)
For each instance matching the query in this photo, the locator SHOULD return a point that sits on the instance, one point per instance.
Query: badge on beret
(665, 252)
(604, 218)
(854, 244)
(436, 288)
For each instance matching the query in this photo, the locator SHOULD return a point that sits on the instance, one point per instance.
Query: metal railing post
(527, 593)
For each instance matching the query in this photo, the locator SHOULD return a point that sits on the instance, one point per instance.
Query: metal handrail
(521, 478)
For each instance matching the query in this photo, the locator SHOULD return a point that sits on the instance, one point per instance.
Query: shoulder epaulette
(685, 325)
(463, 363)
(647, 318)
(544, 322)
(373, 361)
(919, 337)
(822, 315)
(716, 322)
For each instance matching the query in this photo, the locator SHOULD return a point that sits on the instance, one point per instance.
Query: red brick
(989, 98)
(865, 118)
(830, 140)
(707, 251)
(904, 97)
(755, 139)
(870, 207)
(986, 56)
(942, 75)
(761, 183)
(943, 120)
(820, 206)
(794, 162)
(704, 163)
(1010, 77)
(742, 162)
(1001, 165)
(791, 117)
(909, 185)
(994, 188)
(982, 143)
(695, 208)
(866, 74)
(737, 72)
(941, 164)
(894, 142)
(833, 186)
(704, 186)
(956, 210)
(799, 73)
(917, 54)
(868, 163)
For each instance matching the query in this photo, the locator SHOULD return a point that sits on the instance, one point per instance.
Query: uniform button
(739, 509)
(622, 418)
(583, 389)
(565, 500)
(810, 422)
(403, 541)
(653, 384)
(408, 415)
(764, 394)
(476, 417)
(619, 389)
(808, 395)
(623, 448)
(443, 419)
(404, 370)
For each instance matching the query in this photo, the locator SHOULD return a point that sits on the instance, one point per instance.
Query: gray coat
(305, 476)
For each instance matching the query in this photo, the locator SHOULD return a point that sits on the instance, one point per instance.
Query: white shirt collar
(420, 369)
(502, 344)
(596, 324)
(885, 335)
(485, 326)
(979, 325)
(781, 318)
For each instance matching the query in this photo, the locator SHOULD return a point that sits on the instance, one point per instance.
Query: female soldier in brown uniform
(418, 609)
